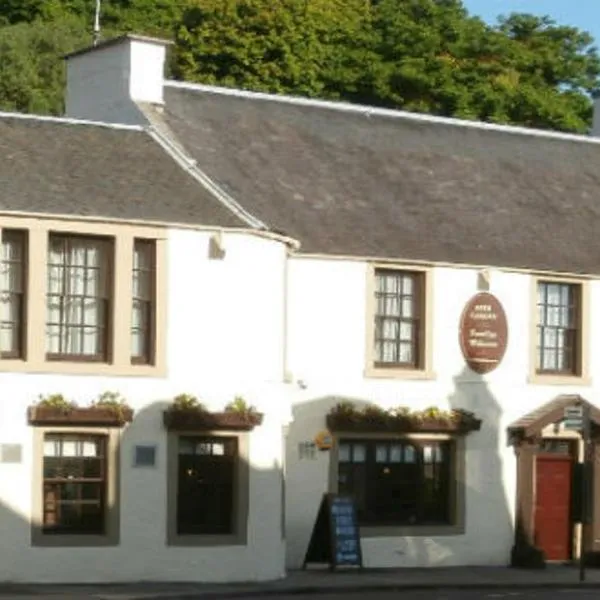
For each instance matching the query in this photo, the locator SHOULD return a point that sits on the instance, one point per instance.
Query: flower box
(385, 423)
(78, 416)
(196, 420)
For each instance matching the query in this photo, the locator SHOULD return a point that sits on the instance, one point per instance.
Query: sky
(583, 14)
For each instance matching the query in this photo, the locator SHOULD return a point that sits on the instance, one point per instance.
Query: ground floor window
(398, 482)
(74, 484)
(206, 474)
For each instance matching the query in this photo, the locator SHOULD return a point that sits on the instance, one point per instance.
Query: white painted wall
(104, 84)
(326, 350)
(225, 321)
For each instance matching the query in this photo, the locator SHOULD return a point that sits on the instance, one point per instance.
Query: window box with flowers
(186, 413)
(108, 410)
(345, 416)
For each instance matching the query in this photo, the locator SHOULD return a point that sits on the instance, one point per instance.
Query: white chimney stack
(104, 82)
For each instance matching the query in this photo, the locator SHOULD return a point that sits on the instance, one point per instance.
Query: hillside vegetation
(421, 55)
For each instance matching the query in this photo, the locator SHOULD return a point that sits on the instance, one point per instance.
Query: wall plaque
(483, 332)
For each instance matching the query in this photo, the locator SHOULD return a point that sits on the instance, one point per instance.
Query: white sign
(573, 418)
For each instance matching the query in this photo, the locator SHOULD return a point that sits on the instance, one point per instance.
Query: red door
(553, 506)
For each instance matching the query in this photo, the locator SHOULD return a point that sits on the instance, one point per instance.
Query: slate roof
(57, 167)
(346, 182)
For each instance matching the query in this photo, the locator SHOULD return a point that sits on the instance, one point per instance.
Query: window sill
(398, 373)
(207, 540)
(82, 368)
(541, 379)
(55, 540)
(382, 531)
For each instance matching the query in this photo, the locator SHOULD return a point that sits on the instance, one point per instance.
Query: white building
(168, 238)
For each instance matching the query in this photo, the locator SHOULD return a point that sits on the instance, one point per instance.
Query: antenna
(97, 23)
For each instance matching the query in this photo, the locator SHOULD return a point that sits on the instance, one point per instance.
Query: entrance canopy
(534, 422)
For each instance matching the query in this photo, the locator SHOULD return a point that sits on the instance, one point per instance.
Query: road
(542, 594)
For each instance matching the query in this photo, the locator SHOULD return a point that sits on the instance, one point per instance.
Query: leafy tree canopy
(422, 55)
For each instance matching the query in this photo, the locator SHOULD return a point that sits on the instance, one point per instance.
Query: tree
(420, 55)
(308, 47)
(32, 74)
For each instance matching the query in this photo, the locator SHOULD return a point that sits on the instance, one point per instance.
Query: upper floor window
(398, 319)
(143, 301)
(558, 328)
(12, 290)
(398, 482)
(78, 297)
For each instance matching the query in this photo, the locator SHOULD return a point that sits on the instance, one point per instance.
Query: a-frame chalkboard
(335, 538)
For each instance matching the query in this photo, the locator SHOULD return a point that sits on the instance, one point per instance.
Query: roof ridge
(69, 121)
(369, 111)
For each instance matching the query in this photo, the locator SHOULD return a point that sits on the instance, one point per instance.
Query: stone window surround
(241, 492)
(583, 377)
(458, 501)
(120, 363)
(112, 535)
(426, 370)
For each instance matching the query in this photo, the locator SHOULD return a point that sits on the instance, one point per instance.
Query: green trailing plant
(187, 402)
(239, 406)
(56, 401)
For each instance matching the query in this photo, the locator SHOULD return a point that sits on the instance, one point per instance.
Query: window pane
(399, 483)
(558, 334)
(12, 292)
(395, 319)
(142, 308)
(74, 484)
(78, 297)
(206, 485)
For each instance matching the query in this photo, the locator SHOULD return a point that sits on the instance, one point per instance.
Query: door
(553, 527)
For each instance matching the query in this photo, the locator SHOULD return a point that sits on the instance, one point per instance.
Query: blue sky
(584, 14)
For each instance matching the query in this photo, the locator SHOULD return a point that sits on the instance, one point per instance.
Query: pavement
(324, 582)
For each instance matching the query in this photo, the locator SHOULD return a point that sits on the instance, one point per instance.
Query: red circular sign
(483, 332)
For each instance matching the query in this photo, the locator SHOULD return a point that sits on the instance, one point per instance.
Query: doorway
(553, 523)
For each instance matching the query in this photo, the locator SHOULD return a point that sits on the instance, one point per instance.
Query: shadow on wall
(139, 542)
(487, 533)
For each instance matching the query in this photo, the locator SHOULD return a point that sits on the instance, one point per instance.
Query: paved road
(543, 594)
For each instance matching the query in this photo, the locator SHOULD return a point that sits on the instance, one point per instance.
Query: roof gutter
(191, 166)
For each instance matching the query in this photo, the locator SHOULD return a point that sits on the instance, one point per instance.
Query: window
(558, 328)
(398, 324)
(399, 482)
(143, 286)
(78, 298)
(206, 474)
(12, 282)
(74, 484)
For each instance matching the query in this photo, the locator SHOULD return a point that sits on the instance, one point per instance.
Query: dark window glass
(206, 485)
(397, 482)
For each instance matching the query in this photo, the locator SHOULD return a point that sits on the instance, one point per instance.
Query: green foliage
(420, 55)
(185, 402)
(56, 401)
(240, 406)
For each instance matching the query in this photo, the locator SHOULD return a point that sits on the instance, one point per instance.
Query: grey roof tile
(56, 167)
(346, 183)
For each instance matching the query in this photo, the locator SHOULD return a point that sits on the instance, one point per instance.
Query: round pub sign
(483, 332)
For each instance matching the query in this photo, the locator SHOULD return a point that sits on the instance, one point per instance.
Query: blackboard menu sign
(335, 538)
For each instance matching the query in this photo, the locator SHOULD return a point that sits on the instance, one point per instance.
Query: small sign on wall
(144, 455)
(307, 451)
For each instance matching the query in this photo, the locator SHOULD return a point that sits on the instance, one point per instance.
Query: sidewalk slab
(323, 582)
